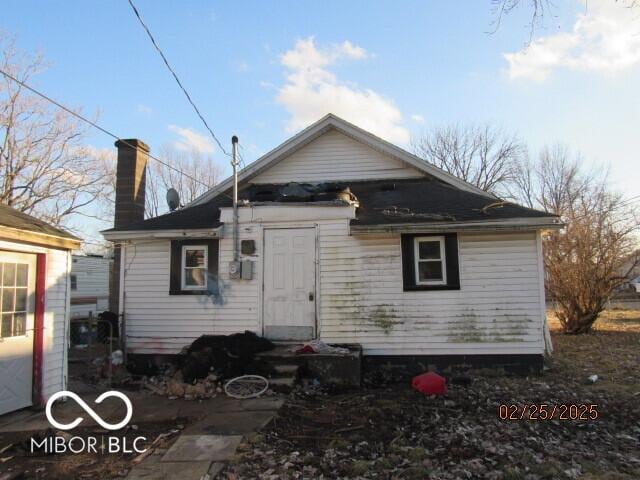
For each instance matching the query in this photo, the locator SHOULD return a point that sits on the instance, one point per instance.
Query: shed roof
(42, 232)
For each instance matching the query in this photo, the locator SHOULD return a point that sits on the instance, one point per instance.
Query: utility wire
(175, 76)
(95, 125)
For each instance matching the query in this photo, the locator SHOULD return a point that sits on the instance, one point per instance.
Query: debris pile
(228, 355)
(208, 362)
(171, 384)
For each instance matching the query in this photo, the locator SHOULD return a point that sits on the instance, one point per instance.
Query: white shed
(346, 238)
(35, 260)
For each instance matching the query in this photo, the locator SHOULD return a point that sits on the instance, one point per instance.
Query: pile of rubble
(171, 384)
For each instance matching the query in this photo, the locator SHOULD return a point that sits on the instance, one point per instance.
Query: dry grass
(610, 351)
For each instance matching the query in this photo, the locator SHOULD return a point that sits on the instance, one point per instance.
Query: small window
(194, 267)
(13, 304)
(430, 263)
(74, 282)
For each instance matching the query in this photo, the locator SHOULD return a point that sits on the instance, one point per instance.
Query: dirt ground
(395, 433)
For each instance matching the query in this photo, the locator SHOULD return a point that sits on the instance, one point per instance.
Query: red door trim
(38, 328)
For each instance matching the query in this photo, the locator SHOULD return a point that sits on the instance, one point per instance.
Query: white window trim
(183, 266)
(416, 260)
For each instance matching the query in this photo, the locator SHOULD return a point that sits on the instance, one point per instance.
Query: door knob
(311, 296)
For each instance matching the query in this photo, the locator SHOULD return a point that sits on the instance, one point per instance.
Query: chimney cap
(132, 143)
(234, 139)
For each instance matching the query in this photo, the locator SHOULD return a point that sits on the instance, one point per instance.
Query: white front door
(17, 302)
(289, 300)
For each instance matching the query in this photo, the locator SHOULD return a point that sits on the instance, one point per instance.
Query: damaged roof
(381, 202)
(425, 200)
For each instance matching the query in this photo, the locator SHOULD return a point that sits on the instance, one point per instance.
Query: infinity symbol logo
(89, 410)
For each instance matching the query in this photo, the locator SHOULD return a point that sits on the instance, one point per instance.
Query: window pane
(429, 250)
(194, 258)
(9, 274)
(5, 329)
(21, 300)
(194, 277)
(7, 299)
(19, 323)
(21, 275)
(429, 271)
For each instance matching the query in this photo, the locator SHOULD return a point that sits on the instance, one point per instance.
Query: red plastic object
(430, 384)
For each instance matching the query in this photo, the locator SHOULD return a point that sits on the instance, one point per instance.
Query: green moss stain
(384, 318)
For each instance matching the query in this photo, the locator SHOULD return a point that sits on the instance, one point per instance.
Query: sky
(264, 70)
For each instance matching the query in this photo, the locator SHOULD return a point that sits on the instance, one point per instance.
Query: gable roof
(425, 201)
(12, 222)
(312, 132)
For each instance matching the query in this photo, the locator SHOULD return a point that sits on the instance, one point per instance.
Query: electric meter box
(247, 269)
(235, 270)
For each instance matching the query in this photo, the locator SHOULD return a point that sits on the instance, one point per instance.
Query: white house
(35, 260)
(344, 237)
(89, 285)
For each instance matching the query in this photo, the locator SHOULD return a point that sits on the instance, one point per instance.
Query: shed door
(289, 301)
(17, 302)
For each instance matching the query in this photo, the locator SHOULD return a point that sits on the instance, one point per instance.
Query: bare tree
(502, 8)
(45, 170)
(160, 178)
(539, 10)
(482, 155)
(593, 255)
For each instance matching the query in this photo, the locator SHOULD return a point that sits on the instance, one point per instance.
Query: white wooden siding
(157, 322)
(497, 309)
(335, 157)
(56, 317)
(92, 277)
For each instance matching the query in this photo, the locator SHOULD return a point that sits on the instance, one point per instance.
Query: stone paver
(153, 469)
(194, 448)
(231, 423)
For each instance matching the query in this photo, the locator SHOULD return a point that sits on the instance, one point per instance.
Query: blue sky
(261, 70)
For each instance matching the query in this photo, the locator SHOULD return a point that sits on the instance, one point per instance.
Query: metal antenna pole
(234, 163)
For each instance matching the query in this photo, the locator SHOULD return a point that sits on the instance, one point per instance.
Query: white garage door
(17, 301)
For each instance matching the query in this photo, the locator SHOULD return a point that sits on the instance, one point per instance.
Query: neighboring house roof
(17, 225)
(381, 202)
(312, 132)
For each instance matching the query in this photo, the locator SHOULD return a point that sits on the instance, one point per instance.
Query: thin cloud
(190, 140)
(605, 38)
(416, 117)
(312, 90)
(145, 109)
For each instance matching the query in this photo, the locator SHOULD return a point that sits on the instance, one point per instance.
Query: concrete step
(285, 369)
(282, 384)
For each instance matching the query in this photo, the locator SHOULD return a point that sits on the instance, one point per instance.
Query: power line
(175, 76)
(95, 125)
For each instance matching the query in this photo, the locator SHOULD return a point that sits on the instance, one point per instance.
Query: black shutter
(175, 283)
(408, 265)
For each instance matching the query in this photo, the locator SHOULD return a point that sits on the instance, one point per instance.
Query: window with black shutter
(194, 267)
(430, 261)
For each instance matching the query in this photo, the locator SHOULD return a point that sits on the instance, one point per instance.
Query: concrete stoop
(332, 369)
(285, 373)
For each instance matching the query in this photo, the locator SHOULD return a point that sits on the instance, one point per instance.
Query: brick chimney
(131, 175)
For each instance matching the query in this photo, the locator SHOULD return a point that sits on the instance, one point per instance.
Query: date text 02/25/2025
(544, 411)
